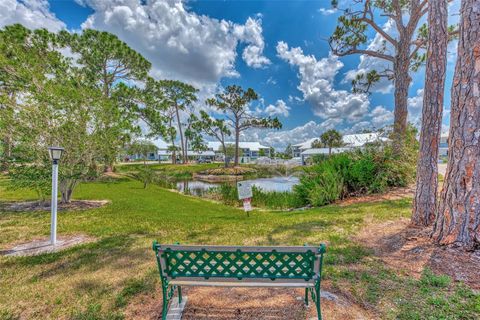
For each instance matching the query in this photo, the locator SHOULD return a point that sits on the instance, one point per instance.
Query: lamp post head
(55, 153)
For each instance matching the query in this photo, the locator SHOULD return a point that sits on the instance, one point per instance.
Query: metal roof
(253, 146)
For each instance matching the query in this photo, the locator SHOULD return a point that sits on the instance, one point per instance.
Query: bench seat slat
(242, 283)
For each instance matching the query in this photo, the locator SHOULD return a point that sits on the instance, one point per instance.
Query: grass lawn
(98, 280)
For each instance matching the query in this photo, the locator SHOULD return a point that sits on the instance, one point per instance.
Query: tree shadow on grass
(113, 252)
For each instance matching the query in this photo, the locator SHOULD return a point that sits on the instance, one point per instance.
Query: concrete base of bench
(176, 310)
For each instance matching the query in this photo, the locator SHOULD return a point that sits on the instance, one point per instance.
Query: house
(249, 151)
(350, 141)
(298, 148)
(443, 147)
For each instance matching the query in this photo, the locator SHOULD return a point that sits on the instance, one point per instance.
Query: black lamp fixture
(55, 153)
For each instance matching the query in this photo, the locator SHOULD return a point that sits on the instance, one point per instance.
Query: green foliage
(146, 175)
(331, 139)
(372, 169)
(142, 148)
(36, 177)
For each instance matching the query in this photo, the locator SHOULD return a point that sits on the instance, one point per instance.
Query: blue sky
(279, 48)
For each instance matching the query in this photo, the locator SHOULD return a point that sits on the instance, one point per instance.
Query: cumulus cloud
(280, 139)
(32, 14)
(180, 43)
(316, 84)
(415, 105)
(251, 33)
(279, 109)
(380, 117)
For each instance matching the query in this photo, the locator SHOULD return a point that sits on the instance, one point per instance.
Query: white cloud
(271, 80)
(279, 109)
(316, 84)
(380, 117)
(251, 33)
(180, 43)
(32, 14)
(327, 12)
(280, 139)
(415, 105)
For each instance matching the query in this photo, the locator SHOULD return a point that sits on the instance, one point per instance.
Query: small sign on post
(245, 193)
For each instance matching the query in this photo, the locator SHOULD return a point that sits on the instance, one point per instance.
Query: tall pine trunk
(179, 124)
(237, 138)
(425, 201)
(458, 219)
(401, 85)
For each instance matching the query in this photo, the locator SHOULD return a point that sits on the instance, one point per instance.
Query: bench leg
(165, 302)
(179, 295)
(306, 296)
(317, 300)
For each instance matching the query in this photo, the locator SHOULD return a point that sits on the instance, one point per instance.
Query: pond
(279, 183)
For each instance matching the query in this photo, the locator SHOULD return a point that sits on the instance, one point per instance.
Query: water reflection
(200, 188)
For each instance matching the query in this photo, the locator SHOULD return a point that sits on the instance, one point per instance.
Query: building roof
(160, 144)
(315, 151)
(305, 145)
(351, 140)
(358, 140)
(253, 146)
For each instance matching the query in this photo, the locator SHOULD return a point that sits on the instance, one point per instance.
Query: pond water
(279, 183)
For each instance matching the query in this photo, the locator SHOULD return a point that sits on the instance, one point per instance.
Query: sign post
(245, 193)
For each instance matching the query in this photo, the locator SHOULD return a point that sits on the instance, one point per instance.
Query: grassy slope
(96, 280)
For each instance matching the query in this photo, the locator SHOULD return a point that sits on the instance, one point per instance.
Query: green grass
(98, 280)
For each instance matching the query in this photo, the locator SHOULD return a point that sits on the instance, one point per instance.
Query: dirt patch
(410, 249)
(45, 205)
(248, 303)
(392, 194)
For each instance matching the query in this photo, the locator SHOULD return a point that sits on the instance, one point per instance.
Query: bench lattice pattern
(188, 265)
(237, 264)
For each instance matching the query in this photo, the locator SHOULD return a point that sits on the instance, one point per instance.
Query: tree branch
(380, 30)
(366, 52)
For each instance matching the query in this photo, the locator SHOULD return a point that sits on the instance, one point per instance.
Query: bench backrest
(266, 264)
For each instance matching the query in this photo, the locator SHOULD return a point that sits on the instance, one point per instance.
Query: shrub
(371, 169)
(232, 171)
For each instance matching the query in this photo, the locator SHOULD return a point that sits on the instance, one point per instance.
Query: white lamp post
(55, 155)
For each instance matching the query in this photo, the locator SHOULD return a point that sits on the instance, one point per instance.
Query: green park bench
(192, 265)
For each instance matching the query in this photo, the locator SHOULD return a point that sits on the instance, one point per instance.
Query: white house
(163, 154)
(350, 141)
(443, 147)
(250, 151)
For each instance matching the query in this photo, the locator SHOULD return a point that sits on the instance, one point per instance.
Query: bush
(231, 171)
(372, 169)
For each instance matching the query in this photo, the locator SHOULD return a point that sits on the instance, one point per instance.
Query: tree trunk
(181, 134)
(425, 201)
(458, 219)
(402, 83)
(225, 162)
(237, 138)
